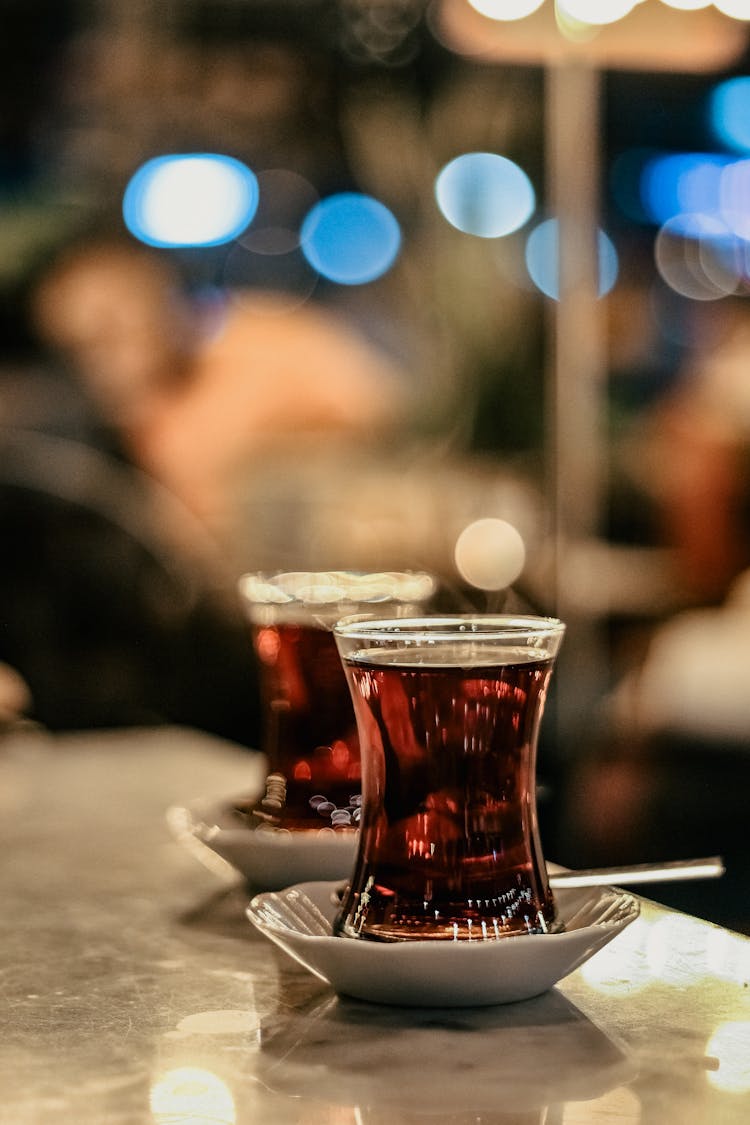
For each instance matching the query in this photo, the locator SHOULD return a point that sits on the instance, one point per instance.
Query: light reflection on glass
(730, 1046)
(193, 199)
(484, 194)
(543, 259)
(192, 1096)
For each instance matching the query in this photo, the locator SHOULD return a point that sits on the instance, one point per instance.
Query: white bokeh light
(687, 5)
(697, 257)
(191, 199)
(596, 11)
(735, 197)
(484, 194)
(490, 554)
(737, 9)
(506, 9)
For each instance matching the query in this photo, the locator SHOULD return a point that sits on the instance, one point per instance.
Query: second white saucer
(269, 860)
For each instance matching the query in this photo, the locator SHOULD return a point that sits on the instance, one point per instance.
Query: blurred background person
(667, 768)
(202, 396)
(114, 602)
(106, 614)
(121, 546)
(688, 454)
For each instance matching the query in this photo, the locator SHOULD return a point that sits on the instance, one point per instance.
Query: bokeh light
(284, 198)
(350, 238)
(729, 113)
(543, 259)
(687, 5)
(490, 554)
(738, 9)
(289, 275)
(596, 11)
(194, 199)
(734, 197)
(506, 9)
(267, 254)
(682, 183)
(484, 194)
(698, 257)
(694, 184)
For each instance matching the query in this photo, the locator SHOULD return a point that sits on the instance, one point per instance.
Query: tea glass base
(433, 974)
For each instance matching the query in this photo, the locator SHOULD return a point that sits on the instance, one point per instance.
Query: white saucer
(268, 860)
(435, 973)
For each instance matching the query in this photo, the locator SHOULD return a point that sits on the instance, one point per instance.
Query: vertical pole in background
(576, 425)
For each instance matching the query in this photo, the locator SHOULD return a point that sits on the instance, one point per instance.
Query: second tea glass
(309, 731)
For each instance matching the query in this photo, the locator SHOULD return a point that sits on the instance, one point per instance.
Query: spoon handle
(670, 871)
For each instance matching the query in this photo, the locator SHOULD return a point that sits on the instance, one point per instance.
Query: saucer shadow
(514, 1057)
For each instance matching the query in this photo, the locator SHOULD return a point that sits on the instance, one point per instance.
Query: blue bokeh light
(350, 238)
(734, 201)
(484, 194)
(684, 182)
(713, 185)
(190, 199)
(729, 113)
(543, 259)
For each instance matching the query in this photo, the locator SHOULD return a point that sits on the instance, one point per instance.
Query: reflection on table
(136, 992)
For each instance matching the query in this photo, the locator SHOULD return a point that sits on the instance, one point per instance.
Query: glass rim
(331, 588)
(448, 627)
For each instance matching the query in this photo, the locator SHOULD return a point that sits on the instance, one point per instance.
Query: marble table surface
(135, 992)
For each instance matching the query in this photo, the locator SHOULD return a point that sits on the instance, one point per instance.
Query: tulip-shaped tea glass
(448, 711)
(309, 730)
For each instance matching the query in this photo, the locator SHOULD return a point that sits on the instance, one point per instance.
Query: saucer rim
(267, 861)
(422, 971)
